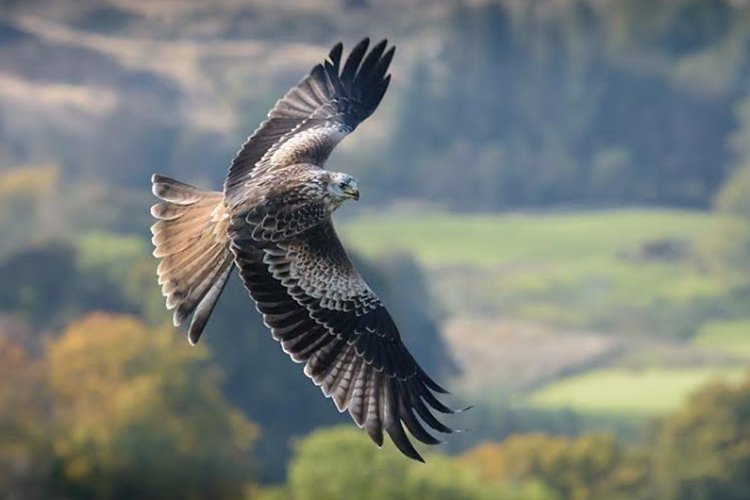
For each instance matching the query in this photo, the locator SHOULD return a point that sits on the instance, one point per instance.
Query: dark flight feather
(359, 361)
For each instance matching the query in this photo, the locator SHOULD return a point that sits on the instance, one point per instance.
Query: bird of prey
(273, 223)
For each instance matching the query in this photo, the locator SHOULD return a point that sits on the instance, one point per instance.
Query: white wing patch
(311, 144)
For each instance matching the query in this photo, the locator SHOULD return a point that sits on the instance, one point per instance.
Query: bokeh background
(555, 206)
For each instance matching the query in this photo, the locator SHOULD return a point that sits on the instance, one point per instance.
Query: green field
(595, 270)
(574, 269)
(731, 337)
(628, 393)
(588, 269)
(489, 240)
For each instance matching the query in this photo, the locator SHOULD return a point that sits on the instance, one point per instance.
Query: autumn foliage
(133, 413)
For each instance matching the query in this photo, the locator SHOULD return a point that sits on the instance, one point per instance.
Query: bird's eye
(342, 185)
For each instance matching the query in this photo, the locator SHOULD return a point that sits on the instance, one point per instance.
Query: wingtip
(381, 45)
(388, 56)
(194, 336)
(376, 433)
(408, 450)
(334, 56)
(426, 379)
(155, 180)
(157, 211)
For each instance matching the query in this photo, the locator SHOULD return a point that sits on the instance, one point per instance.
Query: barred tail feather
(191, 242)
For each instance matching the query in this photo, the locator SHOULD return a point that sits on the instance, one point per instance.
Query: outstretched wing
(325, 316)
(306, 124)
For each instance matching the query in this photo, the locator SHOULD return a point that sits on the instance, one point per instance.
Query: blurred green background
(555, 207)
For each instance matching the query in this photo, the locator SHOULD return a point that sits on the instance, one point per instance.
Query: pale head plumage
(342, 186)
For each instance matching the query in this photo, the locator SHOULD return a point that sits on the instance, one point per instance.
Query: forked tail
(192, 245)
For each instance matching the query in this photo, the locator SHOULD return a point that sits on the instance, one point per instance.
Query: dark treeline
(534, 105)
(628, 102)
(598, 103)
(670, 464)
(50, 287)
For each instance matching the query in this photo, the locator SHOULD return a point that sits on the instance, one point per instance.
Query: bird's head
(343, 186)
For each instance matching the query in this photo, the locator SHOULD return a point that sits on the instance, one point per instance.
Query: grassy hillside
(549, 285)
(629, 393)
(489, 240)
(631, 271)
(732, 337)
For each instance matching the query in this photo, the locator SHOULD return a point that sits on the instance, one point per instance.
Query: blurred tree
(499, 420)
(37, 283)
(729, 246)
(450, 478)
(29, 207)
(589, 467)
(539, 109)
(139, 414)
(342, 463)
(124, 268)
(150, 124)
(703, 449)
(52, 285)
(25, 452)
(585, 102)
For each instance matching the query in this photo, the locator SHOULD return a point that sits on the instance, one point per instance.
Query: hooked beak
(352, 192)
